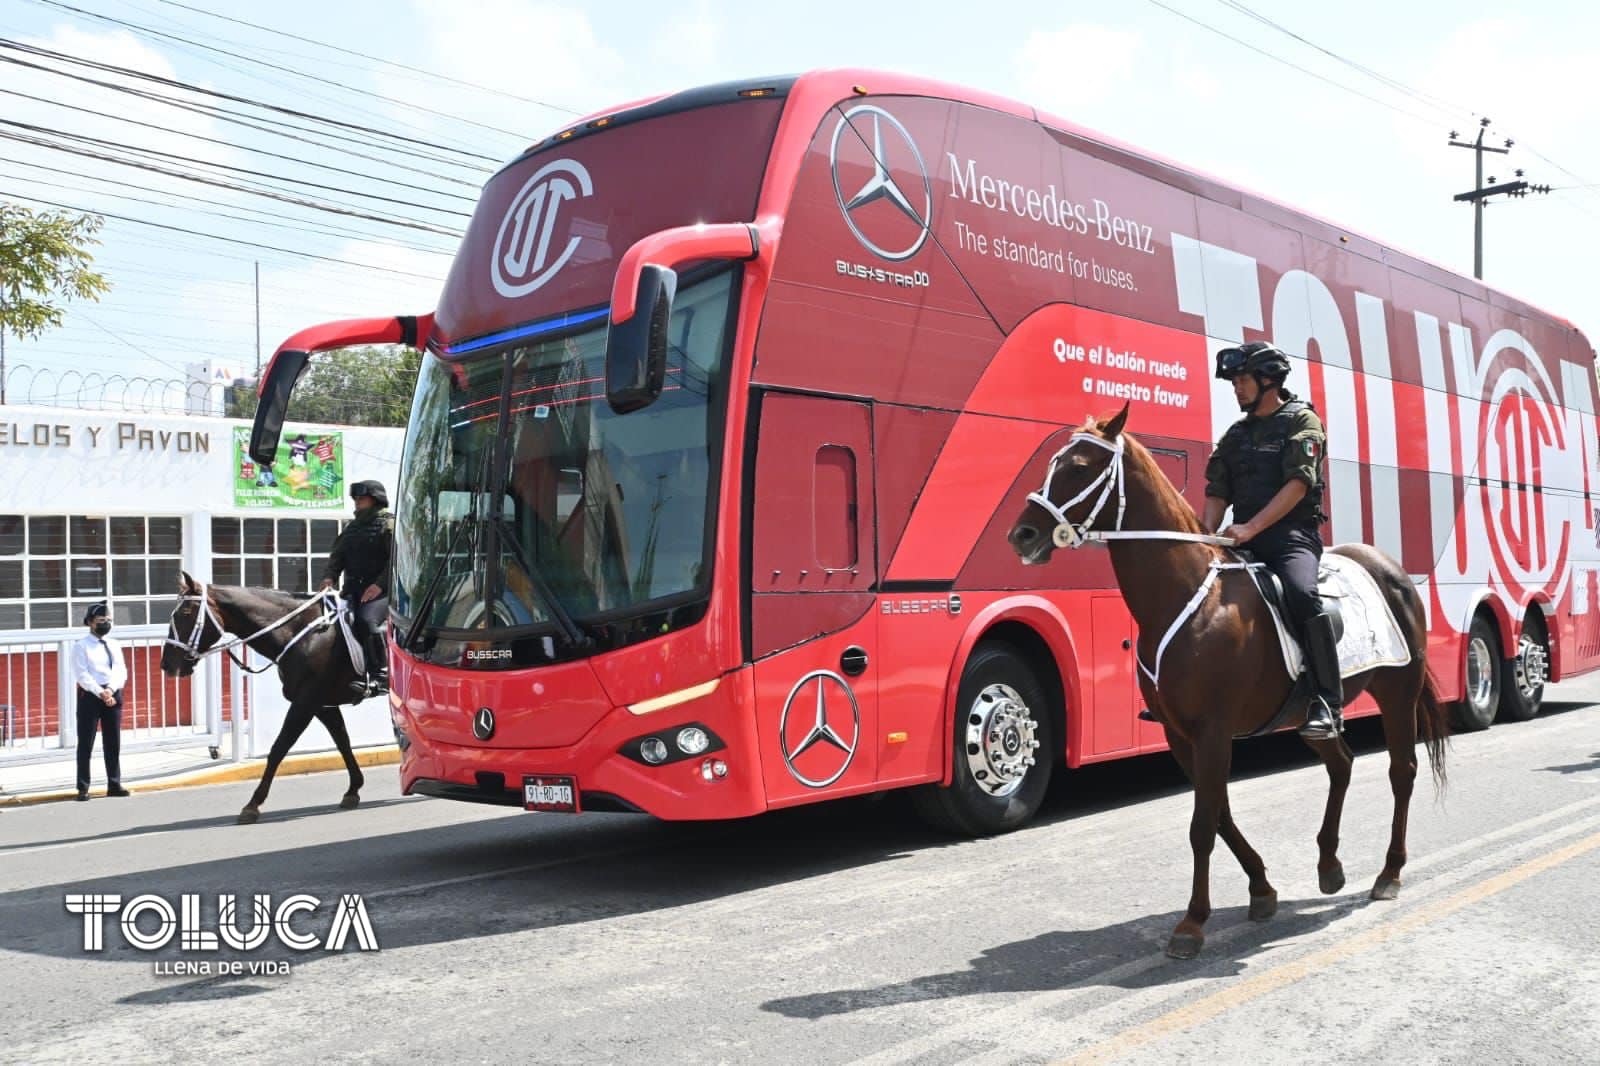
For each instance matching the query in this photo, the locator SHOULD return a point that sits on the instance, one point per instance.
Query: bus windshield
(519, 485)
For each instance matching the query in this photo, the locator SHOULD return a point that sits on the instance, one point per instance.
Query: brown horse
(313, 666)
(1105, 480)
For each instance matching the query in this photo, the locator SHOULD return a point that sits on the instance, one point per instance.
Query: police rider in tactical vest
(1268, 466)
(361, 554)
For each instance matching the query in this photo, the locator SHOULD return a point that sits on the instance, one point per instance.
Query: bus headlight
(653, 751)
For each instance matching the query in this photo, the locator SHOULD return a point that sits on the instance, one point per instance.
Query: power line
(237, 118)
(228, 240)
(148, 31)
(111, 68)
(243, 147)
(206, 179)
(193, 161)
(408, 68)
(277, 223)
(1288, 63)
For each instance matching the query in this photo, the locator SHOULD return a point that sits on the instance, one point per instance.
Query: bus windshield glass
(520, 485)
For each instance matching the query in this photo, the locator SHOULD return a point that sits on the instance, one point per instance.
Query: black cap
(96, 610)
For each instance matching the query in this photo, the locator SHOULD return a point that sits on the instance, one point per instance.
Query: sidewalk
(152, 771)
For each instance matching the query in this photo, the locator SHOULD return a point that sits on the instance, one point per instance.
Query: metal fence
(38, 703)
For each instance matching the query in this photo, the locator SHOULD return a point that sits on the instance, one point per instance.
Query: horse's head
(191, 630)
(1080, 488)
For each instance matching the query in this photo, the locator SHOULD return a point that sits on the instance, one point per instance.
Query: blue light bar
(533, 329)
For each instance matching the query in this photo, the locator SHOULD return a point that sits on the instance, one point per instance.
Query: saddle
(1369, 636)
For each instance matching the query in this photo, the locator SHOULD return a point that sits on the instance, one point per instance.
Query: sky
(1341, 110)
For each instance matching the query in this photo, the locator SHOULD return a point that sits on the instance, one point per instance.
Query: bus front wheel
(1003, 748)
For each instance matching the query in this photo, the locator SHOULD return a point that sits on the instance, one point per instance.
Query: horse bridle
(1070, 534)
(207, 613)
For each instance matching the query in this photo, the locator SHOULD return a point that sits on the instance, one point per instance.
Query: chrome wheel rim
(1001, 739)
(1532, 668)
(1480, 672)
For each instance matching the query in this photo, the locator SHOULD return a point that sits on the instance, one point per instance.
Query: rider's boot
(376, 650)
(1323, 718)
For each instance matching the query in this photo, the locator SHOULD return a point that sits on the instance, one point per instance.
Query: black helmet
(1258, 358)
(370, 488)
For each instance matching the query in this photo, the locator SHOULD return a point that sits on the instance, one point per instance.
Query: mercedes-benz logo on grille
(523, 245)
(891, 235)
(829, 719)
(483, 723)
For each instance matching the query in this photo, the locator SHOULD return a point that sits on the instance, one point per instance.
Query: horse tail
(1433, 723)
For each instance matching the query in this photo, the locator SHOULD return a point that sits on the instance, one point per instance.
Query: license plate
(550, 794)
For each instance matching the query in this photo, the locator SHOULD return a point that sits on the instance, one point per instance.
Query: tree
(44, 261)
(368, 386)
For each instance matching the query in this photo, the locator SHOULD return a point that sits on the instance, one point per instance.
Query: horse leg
(1263, 897)
(1212, 757)
(1338, 758)
(1399, 700)
(294, 723)
(333, 720)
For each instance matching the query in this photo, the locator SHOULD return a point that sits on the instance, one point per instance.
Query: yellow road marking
(1203, 1010)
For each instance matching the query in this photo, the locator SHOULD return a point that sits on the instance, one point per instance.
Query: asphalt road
(843, 933)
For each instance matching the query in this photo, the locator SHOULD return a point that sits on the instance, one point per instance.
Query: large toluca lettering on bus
(1052, 274)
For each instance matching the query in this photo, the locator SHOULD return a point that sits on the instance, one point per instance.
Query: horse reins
(207, 613)
(1070, 534)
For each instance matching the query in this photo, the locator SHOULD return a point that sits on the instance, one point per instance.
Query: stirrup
(1325, 726)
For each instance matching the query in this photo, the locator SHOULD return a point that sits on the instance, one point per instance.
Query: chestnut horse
(1220, 674)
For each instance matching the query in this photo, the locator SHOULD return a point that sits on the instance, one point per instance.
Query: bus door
(813, 631)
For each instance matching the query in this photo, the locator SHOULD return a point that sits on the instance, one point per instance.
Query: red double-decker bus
(731, 397)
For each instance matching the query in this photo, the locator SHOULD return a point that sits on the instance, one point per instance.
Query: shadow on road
(1084, 958)
(290, 814)
(487, 877)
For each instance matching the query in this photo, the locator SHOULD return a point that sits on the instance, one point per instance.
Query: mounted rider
(1269, 468)
(361, 553)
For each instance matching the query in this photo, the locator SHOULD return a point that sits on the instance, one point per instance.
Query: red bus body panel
(903, 365)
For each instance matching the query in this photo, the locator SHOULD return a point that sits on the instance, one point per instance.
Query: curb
(249, 770)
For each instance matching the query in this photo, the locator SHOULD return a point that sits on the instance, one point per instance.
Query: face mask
(102, 627)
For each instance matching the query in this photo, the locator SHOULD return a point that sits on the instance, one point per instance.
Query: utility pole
(2, 361)
(1480, 193)
(258, 320)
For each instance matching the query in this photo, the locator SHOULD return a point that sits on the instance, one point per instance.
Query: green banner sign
(307, 474)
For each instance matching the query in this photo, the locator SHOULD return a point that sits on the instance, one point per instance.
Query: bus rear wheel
(1003, 748)
(1524, 674)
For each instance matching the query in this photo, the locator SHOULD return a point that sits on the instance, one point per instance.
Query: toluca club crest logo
(529, 249)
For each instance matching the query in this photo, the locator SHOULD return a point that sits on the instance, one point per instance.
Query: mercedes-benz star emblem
(822, 730)
(483, 723)
(901, 152)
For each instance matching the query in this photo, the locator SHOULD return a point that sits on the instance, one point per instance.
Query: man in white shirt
(100, 673)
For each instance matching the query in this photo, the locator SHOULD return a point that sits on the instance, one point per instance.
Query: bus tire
(1480, 696)
(1003, 719)
(1522, 690)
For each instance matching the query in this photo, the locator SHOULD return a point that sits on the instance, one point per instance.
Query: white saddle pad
(358, 657)
(1372, 637)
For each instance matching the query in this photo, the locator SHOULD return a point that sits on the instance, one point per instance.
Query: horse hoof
(1386, 889)
(1263, 907)
(1184, 945)
(249, 815)
(351, 799)
(1330, 881)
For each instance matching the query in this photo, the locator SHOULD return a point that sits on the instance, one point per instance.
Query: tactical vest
(366, 552)
(1253, 449)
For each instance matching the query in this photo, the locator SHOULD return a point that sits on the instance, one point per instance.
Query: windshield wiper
(424, 605)
(576, 637)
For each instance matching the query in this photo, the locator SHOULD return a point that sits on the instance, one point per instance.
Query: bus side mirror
(641, 304)
(636, 349)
